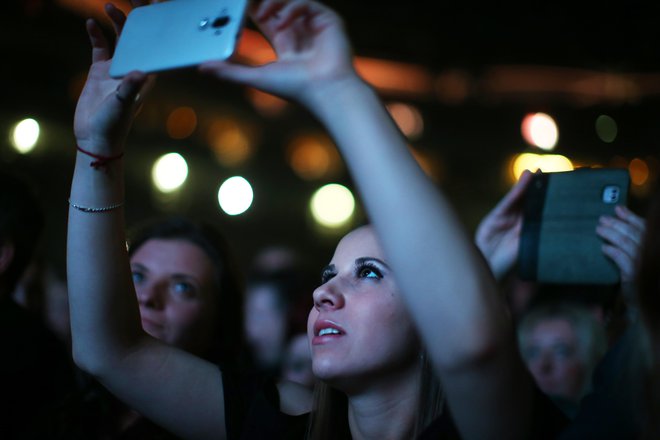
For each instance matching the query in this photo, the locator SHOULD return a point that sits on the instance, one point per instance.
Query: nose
(544, 365)
(328, 295)
(150, 296)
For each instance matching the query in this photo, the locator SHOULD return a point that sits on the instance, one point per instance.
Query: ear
(6, 255)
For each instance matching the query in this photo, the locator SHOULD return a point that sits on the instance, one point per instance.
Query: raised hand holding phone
(107, 106)
(312, 49)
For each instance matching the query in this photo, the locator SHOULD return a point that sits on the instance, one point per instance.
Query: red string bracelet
(101, 161)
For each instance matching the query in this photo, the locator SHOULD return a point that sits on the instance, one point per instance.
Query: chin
(323, 369)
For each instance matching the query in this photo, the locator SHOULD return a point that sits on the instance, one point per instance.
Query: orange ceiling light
(395, 77)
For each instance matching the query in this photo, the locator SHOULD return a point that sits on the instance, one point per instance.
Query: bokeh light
(540, 130)
(452, 86)
(332, 205)
(230, 142)
(181, 123)
(606, 128)
(407, 118)
(235, 195)
(265, 103)
(547, 163)
(428, 163)
(169, 172)
(24, 135)
(313, 157)
(639, 172)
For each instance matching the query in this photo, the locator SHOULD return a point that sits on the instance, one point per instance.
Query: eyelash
(137, 276)
(327, 275)
(368, 266)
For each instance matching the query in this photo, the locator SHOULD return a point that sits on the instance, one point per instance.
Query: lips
(150, 324)
(326, 331)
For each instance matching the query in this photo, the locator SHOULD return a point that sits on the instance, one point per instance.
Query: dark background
(470, 140)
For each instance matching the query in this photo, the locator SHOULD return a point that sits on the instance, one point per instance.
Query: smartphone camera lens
(611, 194)
(221, 22)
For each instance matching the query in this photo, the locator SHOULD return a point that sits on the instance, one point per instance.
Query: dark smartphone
(558, 242)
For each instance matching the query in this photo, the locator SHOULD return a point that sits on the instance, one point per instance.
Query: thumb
(228, 71)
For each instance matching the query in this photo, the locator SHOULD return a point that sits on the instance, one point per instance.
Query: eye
(184, 289)
(563, 351)
(531, 353)
(138, 277)
(369, 271)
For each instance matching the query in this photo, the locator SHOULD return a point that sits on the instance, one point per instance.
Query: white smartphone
(178, 33)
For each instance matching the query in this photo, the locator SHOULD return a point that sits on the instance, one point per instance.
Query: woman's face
(553, 357)
(358, 329)
(175, 285)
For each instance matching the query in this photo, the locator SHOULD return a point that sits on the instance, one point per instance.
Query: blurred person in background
(561, 344)
(36, 372)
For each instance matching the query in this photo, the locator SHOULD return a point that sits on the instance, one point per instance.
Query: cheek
(311, 318)
(393, 328)
(186, 316)
(572, 367)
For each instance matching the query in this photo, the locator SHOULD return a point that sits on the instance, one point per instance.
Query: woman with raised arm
(409, 293)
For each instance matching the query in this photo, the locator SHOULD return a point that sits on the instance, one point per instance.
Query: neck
(386, 410)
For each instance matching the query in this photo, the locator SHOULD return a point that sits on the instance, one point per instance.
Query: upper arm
(176, 390)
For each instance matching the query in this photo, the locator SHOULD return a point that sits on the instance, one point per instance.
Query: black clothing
(36, 375)
(252, 413)
(614, 409)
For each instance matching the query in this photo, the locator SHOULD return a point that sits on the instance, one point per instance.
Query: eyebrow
(176, 275)
(358, 262)
(362, 260)
(139, 266)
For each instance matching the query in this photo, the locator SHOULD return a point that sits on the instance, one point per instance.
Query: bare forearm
(104, 314)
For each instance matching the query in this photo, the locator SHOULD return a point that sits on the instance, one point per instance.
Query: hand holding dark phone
(558, 243)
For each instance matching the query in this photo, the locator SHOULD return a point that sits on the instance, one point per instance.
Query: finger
(617, 239)
(622, 227)
(267, 10)
(629, 216)
(515, 195)
(294, 10)
(128, 91)
(98, 41)
(146, 87)
(265, 17)
(116, 16)
(622, 260)
(238, 73)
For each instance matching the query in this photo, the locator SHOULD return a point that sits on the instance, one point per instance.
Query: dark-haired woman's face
(359, 329)
(175, 285)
